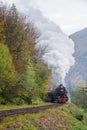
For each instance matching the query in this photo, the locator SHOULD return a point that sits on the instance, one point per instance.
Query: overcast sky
(70, 15)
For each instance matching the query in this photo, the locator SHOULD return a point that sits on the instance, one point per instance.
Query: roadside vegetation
(79, 96)
(65, 117)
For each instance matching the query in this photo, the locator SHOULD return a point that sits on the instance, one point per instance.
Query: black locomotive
(59, 95)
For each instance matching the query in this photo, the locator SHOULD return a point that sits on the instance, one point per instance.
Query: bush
(37, 101)
(79, 97)
(28, 99)
(17, 101)
(2, 100)
(79, 114)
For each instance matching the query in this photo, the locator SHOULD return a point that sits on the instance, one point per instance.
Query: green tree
(42, 78)
(7, 72)
(79, 96)
(29, 86)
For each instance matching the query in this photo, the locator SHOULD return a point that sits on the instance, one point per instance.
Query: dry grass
(61, 118)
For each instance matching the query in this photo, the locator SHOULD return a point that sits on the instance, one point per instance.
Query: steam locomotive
(59, 95)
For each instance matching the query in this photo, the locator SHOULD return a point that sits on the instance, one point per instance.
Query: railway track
(4, 113)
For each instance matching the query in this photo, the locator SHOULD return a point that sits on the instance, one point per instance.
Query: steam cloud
(57, 47)
(54, 46)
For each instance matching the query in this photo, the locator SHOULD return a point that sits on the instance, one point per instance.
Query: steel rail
(10, 112)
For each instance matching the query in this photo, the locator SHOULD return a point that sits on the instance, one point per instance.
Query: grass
(7, 107)
(60, 118)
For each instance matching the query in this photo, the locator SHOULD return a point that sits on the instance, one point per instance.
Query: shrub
(17, 101)
(2, 100)
(79, 114)
(37, 101)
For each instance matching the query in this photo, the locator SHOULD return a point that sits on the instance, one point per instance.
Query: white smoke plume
(58, 48)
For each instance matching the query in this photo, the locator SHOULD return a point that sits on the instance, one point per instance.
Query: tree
(22, 76)
(7, 72)
(2, 36)
(79, 96)
(42, 78)
(29, 86)
(19, 38)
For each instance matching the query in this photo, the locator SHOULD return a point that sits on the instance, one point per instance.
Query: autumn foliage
(22, 77)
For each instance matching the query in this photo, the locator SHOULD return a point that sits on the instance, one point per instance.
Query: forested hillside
(22, 77)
